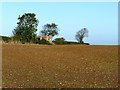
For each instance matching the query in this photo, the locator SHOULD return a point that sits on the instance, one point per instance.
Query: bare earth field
(59, 66)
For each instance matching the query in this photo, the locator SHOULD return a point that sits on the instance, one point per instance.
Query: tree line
(25, 31)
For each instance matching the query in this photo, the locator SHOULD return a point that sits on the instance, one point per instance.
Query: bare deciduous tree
(81, 34)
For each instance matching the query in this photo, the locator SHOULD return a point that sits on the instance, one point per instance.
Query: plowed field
(59, 66)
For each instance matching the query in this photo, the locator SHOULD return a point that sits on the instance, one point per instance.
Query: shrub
(43, 41)
(6, 39)
(60, 41)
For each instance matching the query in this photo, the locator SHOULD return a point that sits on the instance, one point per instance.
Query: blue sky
(100, 18)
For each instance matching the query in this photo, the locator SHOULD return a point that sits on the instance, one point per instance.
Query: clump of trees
(25, 32)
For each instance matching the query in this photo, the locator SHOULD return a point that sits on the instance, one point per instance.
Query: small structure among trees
(48, 32)
(25, 32)
(45, 38)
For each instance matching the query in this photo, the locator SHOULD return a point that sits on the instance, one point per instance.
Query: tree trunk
(81, 40)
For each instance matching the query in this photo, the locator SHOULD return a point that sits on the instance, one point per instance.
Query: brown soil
(59, 66)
